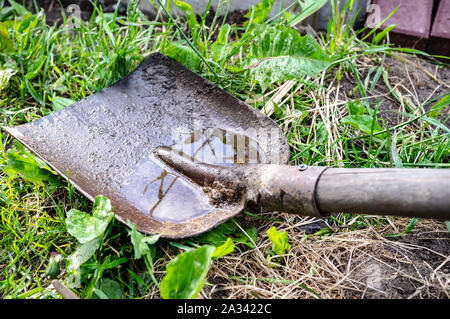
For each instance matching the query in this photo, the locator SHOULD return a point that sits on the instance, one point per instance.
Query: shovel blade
(103, 144)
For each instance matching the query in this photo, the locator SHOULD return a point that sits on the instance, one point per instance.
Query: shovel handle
(320, 191)
(409, 192)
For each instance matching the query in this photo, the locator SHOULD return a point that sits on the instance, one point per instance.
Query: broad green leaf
(194, 26)
(260, 12)
(26, 167)
(36, 159)
(83, 253)
(143, 247)
(85, 227)
(220, 47)
(218, 236)
(213, 237)
(308, 8)
(280, 53)
(140, 242)
(61, 102)
(279, 241)
(186, 273)
(100, 293)
(102, 207)
(229, 227)
(225, 249)
(109, 289)
(356, 107)
(21, 162)
(362, 122)
(184, 55)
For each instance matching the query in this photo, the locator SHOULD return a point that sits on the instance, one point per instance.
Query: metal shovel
(177, 155)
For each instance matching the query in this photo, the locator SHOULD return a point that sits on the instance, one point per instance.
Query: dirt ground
(347, 265)
(357, 264)
(415, 80)
(52, 8)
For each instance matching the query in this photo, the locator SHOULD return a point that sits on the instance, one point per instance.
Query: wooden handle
(414, 192)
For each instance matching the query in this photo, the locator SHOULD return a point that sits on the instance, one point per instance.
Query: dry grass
(345, 265)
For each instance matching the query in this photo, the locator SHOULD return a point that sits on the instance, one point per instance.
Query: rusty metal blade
(104, 145)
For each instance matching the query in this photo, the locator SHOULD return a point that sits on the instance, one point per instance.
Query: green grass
(48, 63)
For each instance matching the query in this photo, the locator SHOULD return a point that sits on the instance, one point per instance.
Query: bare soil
(416, 81)
(359, 264)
